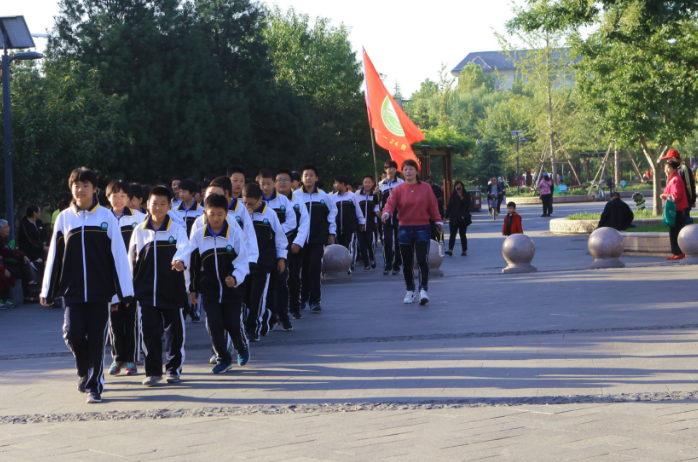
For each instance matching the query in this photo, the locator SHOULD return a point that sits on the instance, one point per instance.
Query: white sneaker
(423, 297)
(409, 298)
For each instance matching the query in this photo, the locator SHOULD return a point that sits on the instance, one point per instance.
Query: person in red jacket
(512, 222)
(416, 204)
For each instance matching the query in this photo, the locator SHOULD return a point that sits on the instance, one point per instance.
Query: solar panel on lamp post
(15, 35)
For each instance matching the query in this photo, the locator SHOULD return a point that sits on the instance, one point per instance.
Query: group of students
(247, 256)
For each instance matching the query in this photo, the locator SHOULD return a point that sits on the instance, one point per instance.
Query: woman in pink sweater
(416, 204)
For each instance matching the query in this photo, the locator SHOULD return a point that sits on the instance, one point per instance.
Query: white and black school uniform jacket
(284, 212)
(87, 258)
(151, 254)
(321, 212)
(386, 187)
(128, 221)
(189, 216)
(239, 217)
(368, 204)
(300, 234)
(174, 216)
(349, 216)
(271, 240)
(213, 258)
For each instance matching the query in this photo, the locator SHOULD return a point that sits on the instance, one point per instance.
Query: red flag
(394, 130)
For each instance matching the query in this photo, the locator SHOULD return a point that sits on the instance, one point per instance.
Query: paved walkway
(558, 365)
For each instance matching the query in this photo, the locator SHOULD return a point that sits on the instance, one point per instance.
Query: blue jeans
(415, 240)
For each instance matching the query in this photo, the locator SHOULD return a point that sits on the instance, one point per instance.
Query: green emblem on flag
(390, 118)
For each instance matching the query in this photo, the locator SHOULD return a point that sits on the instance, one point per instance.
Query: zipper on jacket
(218, 276)
(155, 267)
(84, 264)
(310, 216)
(341, 216)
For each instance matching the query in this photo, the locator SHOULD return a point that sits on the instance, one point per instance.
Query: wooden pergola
(425, 155)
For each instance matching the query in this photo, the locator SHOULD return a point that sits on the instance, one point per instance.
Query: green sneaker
(3, 305)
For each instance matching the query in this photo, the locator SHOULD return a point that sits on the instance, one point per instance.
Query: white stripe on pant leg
(263, 303)
(184, 338)
(243, 332)
(141, 342)
(428, 270)
(101, 365)
(373, 246)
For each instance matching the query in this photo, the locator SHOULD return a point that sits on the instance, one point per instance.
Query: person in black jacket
(32, 235)
(616, 214)
(458, 211)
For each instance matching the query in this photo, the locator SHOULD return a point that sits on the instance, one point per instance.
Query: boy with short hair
(349, 217)
(188, 209)
(272, 244)
(217, 268)
(87, 266)
(391, 248)
(175, 192)
(295, 180)
(368, 204)
(237, 176)
(158, 251)
(136, 198)
(512, 222)
(322, 230)
(287, 218)
(297, 237)
(123, 327)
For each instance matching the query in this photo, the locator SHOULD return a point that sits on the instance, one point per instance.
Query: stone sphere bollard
(435, 260)
(688, 242)
(606, 246)
(336, 262)
(518, 250)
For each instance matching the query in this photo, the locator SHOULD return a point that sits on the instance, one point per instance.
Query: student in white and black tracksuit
(296, 239)
(321, 231)
(217, 268)
(368, 204)
(287, 218)
(87, 266)
(349, 219)
(158, 251)
(391, 249)
(272, 244)
(124, 326)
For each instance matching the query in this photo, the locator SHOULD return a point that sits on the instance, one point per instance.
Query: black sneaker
(316, 308)
(367, 268)
(266, 317)
(449, 253)
(373, 264)
(94, 397)
(304, 305)
(296, 315)
(82, 384)
(396, 271)
(386, 271)
(287, 326)
(253, 338)
(195, 317)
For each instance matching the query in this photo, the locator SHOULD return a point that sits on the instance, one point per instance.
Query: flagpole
(373, 143)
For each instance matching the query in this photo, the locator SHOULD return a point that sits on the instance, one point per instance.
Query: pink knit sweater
(415, 204)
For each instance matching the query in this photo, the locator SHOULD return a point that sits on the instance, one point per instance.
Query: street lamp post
(518, 134)
(15, 34)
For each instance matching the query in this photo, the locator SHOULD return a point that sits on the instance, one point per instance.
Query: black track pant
(85, 333)
(223, 317)
(462, 231)
(124, 332)
(295, 263)
(348, 240)
(547, 204)
(155, 322)
(280, 294)
(367, 246)
(257, 299)
(421, 248)
(391, 248)
(21, 271)
(674, 234)
(311, 282)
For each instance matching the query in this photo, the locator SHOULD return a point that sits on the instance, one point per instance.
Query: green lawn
(661, 228)
(647, 213)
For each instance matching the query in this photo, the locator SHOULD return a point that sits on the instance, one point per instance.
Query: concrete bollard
(688, 242)
(435, 259)
(606, 246)
(336, 262)
(518, 250)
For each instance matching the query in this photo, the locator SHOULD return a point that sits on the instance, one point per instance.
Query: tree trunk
(617, 177)
(657, 206)
(554, 161)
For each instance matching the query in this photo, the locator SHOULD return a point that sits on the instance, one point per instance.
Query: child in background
(512, 222)
(188, 209)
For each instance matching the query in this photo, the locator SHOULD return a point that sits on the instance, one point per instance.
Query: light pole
(15, 34)
(518, 134)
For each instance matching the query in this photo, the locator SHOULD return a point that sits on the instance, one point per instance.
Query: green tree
(471, 77)
(60, 120)
(488, 162)
(316, 61)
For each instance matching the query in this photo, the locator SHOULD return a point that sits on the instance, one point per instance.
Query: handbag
(669, 218)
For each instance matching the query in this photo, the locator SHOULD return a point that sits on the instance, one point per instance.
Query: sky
(406, 40)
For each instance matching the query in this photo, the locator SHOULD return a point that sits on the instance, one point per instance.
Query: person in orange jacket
(512, 222)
